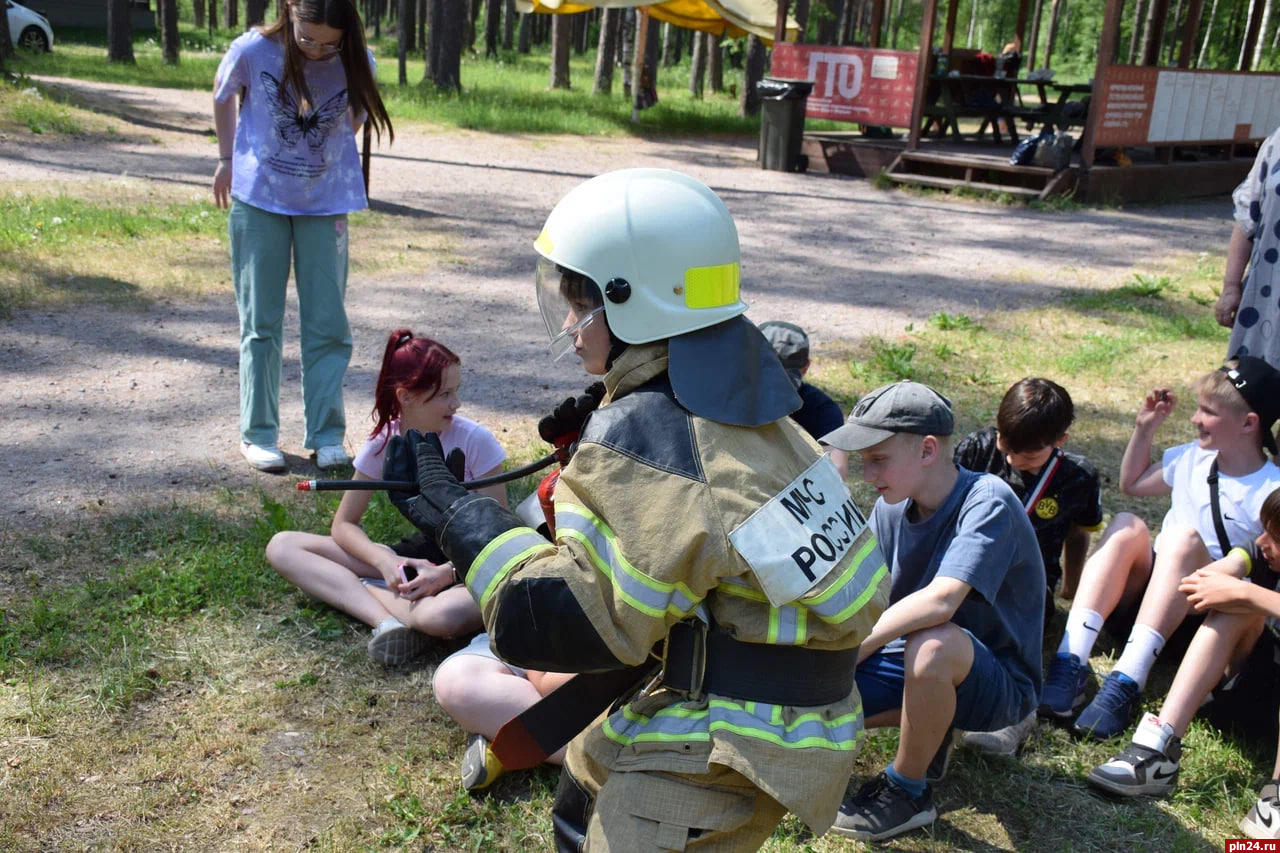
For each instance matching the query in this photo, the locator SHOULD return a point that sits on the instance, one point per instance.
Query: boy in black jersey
(1059, 491)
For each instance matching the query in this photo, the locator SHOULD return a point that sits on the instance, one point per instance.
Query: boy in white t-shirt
(1236, 407)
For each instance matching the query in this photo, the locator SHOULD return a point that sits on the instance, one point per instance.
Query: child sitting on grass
(1059, 492)
(417, 388)
(1235, 408)
(1238, 640)
(959, 645)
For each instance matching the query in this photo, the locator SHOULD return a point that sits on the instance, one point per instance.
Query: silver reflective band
(562, 344)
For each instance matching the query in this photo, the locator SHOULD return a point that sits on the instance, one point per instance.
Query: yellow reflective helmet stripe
(543, 244)
(711, 287)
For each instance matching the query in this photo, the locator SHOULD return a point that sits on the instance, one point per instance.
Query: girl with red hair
(406, 593)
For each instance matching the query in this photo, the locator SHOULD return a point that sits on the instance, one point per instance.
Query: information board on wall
(852, 83)
(1156, 106)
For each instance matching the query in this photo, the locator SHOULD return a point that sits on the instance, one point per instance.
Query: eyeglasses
(326, 49)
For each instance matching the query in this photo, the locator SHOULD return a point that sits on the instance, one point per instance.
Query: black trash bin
(782, 105)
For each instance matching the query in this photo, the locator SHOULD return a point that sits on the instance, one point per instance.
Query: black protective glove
(562, 426)
(419, 459)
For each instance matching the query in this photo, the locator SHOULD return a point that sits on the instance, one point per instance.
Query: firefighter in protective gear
(695, 519)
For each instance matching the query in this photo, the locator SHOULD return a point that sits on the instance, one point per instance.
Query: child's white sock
(1140, 653)
(1082, 629)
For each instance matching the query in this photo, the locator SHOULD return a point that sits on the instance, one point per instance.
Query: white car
(28, 29)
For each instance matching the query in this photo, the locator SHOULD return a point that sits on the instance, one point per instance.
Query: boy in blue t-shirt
(959, 645)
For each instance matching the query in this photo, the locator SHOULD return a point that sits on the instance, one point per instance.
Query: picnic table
(997, 101)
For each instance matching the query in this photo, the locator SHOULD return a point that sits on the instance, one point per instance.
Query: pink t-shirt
(482, 450)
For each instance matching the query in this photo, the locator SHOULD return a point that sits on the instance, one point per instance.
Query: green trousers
(262, 246)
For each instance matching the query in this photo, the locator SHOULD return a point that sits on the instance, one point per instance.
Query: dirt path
(105, 408)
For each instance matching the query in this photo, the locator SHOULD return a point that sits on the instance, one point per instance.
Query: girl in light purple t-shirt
(405, 593)
(289, 169)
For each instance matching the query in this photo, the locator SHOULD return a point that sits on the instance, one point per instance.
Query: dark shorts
(987, 700)
(419, 547)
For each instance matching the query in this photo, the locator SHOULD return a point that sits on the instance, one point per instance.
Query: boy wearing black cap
(1218, 483)
(818, 413)
(959, 645)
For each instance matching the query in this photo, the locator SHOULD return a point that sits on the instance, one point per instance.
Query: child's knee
(1128, 528)
(449, 684)
(935, 651)
(280, 546)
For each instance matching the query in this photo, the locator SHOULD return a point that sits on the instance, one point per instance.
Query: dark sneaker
(942, 758)
(480, 767)
(1149, 766)
(1263, 820)
(1112, 710)
(882, 810)
(1064, 685)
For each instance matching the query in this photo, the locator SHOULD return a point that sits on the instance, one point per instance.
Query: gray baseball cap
(890, 409)
(791, 344)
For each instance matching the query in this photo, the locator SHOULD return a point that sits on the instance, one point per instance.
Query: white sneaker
(1148, 766)
(394, 642)
(331, 456)
(264, 457)
(1004, 741)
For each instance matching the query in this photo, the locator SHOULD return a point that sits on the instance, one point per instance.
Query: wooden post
(1189, 31)
(1155, 32)
(877, 21)
(1106, 55)
(1251, 35)
(929, 17)
(1020, 28)
(780, 24)
(949, 37)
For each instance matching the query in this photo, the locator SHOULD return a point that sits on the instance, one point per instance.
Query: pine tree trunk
(119, 32)
(1035, 34)
(255, 13)
(715, 65)
(802, 19)
(169, 38)
(627, 48)
(1137, 29)
(403, 45)
(524, 37)
(444, 43)
(897, 24)
(828, 23)
(1208, 33)
(197, 13)
(1262, 33)
(749, 101)
(579, 33)
(1053, 31)
(492, 27)
(606, 51)
(212, 16)
(561, 30)
(842, 23)
(508, 24)
(231, 15)
(6, 41)
(698, 63)
(973, 20)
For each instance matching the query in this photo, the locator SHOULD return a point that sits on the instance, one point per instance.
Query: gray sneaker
(1006, 741)
(393, 642)
(882, 810)
(1263, 820)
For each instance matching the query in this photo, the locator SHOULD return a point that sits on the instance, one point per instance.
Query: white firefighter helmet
(660, 245)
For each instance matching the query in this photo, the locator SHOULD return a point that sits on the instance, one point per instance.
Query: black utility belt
(702, 660)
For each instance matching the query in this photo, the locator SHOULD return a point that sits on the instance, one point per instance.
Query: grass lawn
(160, 686)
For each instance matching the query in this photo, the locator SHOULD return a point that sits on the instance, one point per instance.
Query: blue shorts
(987, 700)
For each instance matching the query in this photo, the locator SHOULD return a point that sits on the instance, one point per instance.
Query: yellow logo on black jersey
(1046, 508)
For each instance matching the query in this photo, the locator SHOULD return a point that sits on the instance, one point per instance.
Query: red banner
(851, 83)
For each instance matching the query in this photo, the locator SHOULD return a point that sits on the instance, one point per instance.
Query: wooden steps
(978, 171)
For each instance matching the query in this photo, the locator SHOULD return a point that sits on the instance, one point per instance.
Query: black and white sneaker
(1263, 820)
(1148, 766)
(882, 810)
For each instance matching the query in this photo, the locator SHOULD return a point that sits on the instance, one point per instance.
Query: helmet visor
(569, 302)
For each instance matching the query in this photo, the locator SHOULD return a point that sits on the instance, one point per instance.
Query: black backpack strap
(1223, 540)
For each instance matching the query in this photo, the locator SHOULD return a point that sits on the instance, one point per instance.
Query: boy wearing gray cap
(959, 645)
